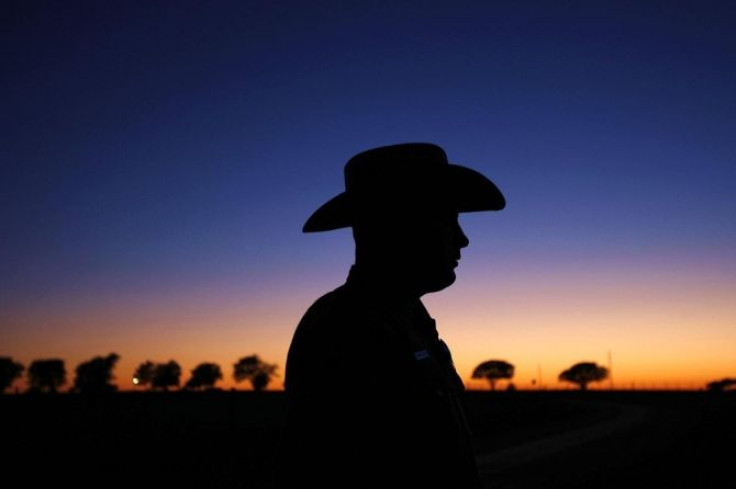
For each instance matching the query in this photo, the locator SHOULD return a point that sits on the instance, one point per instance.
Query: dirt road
(650, 443)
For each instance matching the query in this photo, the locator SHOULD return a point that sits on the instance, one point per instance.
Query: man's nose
(460, 237)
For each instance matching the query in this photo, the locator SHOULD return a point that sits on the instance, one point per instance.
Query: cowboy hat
(410, 177)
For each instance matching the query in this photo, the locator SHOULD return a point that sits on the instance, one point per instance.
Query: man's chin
(438, 283)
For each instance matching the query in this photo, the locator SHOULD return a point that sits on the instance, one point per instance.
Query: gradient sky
(160, 158)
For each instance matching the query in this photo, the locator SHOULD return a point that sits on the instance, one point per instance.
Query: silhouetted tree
(255, 370)
(260, 381)
(143, 375)
(95, 376)
(166, 375)
(583, 373)
(204, 376)
(493, 370)
(9, 371)
(721, 385)
(46, 375)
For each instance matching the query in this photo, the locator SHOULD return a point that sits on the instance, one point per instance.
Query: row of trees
(581, 374)
(96, 375)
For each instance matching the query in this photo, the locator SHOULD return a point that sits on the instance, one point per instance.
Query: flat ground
(226, 440)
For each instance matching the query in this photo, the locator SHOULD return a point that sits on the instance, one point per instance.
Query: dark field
(226, 440)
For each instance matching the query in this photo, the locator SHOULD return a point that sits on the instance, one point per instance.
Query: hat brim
(469, 190)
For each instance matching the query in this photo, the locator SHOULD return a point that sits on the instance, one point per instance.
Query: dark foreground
(226, 440)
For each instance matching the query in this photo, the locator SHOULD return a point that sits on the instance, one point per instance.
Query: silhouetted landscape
(183, 182)
(227, 439)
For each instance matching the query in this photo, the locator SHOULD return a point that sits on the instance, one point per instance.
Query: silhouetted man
(373, 397)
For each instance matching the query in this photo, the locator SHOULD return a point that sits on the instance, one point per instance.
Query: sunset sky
(160, 158)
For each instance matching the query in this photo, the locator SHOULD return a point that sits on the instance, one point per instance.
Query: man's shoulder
(346, 315)
(336, 328)
(333, 308)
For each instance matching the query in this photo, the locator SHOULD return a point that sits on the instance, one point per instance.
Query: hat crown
(403, 168)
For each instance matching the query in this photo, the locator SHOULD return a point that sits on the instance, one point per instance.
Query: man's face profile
(420, 251)
(434, 250)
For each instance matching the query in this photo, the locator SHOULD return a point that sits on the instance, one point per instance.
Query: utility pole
(539, 376)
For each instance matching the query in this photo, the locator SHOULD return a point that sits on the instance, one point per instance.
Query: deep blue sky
(169, 149)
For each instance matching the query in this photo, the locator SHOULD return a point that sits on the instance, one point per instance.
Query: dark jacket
(373, 397)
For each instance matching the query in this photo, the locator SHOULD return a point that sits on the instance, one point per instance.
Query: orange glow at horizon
(658, 329)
